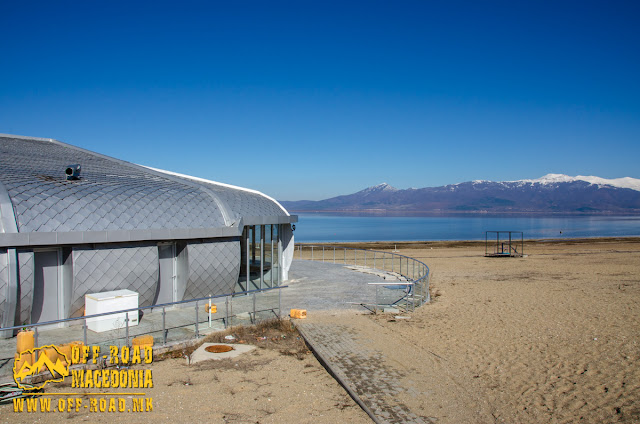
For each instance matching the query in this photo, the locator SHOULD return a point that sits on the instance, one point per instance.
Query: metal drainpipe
(261, 255)
(248, 262)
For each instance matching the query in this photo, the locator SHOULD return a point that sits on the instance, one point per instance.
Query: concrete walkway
(335, 331)
(394, 379)
(376, 386)
(317, 286)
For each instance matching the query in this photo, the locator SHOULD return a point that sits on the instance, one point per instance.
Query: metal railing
(247, 300)
(412, 291)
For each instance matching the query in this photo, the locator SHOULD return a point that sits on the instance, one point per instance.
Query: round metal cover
(218, 348)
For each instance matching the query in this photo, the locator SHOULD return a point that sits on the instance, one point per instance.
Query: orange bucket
(21, 358)
(25, 341)
(51, 353)
(79, 344)
(143, 340)
(298, 313)
(66, 350)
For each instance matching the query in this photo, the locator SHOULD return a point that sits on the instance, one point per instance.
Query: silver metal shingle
(213, 268)
(107, 268)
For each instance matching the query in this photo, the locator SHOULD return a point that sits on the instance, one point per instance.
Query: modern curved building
(74, 222)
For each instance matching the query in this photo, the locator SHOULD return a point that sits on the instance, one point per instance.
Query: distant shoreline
(394, 213)
(382, 245)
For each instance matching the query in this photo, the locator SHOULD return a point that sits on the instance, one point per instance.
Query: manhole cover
(218, 349)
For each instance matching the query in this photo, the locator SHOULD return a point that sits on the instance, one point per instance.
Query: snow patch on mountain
(625, 182)
(378, 188)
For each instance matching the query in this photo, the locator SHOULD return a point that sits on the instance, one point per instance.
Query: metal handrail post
(197, 327)
(311, 252)
(84, 330)
(323, 254)
(226, 313)
(164, 326)
(345, 255)
(37, 352)
(126, 324)
(375, 308)
(279, 303)
(254, 309)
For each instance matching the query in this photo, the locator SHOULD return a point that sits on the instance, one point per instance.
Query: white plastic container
(118, 300)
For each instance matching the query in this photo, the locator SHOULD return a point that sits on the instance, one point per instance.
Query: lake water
(317, 228)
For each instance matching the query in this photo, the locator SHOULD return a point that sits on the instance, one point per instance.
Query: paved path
(323, 289)
(394, 379)
(375, 385)
(317, 286)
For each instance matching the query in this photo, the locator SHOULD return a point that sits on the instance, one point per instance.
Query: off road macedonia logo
(22, 368)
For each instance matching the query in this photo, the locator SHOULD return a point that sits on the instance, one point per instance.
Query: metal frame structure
(504, 244)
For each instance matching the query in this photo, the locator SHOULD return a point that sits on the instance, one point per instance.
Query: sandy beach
(550, 337)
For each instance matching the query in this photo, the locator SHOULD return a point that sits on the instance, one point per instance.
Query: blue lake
(317, 228)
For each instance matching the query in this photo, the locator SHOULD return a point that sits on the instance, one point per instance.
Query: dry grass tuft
(275, 334)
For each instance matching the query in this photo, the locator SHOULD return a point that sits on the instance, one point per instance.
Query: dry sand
(278, 382)
(552, 337)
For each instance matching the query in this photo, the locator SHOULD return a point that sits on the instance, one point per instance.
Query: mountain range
(553, 193)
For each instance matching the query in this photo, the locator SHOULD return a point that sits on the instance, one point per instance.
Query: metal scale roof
(115, 200)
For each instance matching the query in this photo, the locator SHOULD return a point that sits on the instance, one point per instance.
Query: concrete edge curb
(336, 374)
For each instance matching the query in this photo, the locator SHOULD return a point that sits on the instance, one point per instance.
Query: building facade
(74, 222)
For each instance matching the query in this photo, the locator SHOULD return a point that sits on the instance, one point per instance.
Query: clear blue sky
(308, 100)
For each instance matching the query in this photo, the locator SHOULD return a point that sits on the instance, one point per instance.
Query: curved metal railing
(411, 289)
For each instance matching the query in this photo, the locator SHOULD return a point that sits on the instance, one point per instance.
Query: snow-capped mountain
(384, 187)
(552, 193)
(626, 182)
